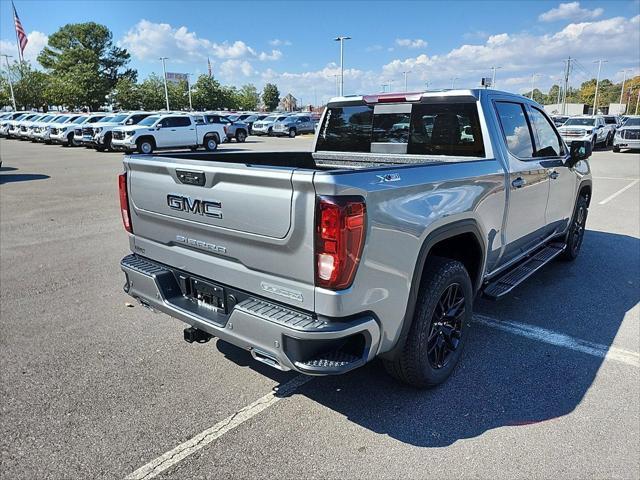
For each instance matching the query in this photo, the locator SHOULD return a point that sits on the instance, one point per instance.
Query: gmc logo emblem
(207, 208)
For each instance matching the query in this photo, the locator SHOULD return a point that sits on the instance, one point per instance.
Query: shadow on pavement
(22, 177)
(502, 379)
(7, 169)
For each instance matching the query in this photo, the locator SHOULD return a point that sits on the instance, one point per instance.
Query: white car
(165, 131)
(33, 128)
(54, 127)
(590, 128)
(7, 120)
(14, 126)
(87, 121)
(41, 130)
(265, 126)
(101, 132)
(628, 135)
(26, 128)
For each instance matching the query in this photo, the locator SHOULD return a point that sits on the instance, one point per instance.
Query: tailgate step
(509, 280)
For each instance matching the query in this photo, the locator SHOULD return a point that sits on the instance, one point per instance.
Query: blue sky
(290, 43)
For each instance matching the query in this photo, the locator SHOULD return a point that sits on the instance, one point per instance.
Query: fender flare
(439, 234)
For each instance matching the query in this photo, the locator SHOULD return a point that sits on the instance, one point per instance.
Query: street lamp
(166, 90)
(405, 79)
(189, 91)
(453, 82)
(595, 97)
(493, 77)
(624, 77)
(341, 39)
(533, 80)
(13, 98)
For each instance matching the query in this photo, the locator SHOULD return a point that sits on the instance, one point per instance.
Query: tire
(107, 143)
(145, 145)
(269, 132)
(439, 327)
(616, 149)
(211, 142)
(292, 133)
(241, 136)
(575, 236)
(594, 142)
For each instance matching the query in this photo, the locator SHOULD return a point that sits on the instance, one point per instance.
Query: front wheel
(616, 149)
(575, 235)
(145, 146)
(594, 142)
(292, 133)
(439, 326)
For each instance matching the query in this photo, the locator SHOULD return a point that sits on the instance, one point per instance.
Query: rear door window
(347, 129)
(515, 129)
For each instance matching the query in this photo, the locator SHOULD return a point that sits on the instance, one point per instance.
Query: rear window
(422, 128)
(610, 120)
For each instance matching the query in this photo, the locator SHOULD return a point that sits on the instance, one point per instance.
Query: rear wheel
(211, 142)
(576, 230)
(439, 328)
(616, 149)
(594, 142)
(145, 145)
(241, 136)
(107, 142)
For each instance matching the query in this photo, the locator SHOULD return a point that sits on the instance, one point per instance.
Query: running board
(509, 280)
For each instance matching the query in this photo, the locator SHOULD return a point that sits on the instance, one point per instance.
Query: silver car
(628, 135)
(293, 125)
(265, 126)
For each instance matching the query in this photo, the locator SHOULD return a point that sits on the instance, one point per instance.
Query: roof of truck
(417, 96)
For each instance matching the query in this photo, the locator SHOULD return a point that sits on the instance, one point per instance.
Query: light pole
(624, 77)
(595, 97)
(453, 82)
(426, 84)
(13, 98)
(189, 92)
(493, 76)
(405, 79)
(166, 90)
(533, 80)
(341, 39)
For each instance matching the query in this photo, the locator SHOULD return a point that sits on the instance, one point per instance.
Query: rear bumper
(626, 143)
(274, 334)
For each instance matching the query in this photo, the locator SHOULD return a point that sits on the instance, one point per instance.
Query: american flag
(20, 33)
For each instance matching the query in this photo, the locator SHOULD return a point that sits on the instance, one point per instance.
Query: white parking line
(624, 189)
(561, 340)
(182, 451)
(179, 453)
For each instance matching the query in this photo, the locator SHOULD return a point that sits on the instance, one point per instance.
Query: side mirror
(579, 150)
(158, 126)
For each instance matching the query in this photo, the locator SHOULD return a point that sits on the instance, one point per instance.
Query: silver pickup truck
(373, 245)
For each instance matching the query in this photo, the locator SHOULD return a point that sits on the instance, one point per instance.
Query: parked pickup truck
(374, 244)
(169, 131)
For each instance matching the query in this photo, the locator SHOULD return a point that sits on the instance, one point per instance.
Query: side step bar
(502, 285)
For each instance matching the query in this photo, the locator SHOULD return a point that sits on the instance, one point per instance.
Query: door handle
(518, 182)
(553, 174)
(173, 129)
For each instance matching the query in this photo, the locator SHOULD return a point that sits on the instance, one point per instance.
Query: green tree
(270, 96)
(5, 92)
(207, 94)
(248, 97)
(127, 95)
(178, 95)
(29, 86)
(152, 93)
(84, 53)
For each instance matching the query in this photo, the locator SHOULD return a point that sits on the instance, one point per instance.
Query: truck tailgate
(236, 220)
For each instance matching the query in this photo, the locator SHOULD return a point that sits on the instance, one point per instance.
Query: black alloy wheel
(446, 326)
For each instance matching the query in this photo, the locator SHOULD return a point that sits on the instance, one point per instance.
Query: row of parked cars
(148, 131)
(607, 130)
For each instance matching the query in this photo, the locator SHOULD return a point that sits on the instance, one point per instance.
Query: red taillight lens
(340, 232)
(124, 202)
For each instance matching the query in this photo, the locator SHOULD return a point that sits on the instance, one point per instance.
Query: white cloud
(570, 11)
(148, 41)
(37, 41)
(276, 42)
(235, 69)
(409, 43)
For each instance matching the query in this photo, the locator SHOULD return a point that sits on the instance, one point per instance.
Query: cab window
(547, 142)
(515, 129)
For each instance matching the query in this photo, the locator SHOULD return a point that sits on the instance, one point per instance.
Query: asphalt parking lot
(92, 388)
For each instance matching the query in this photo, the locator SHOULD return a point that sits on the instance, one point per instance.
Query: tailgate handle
(191, 178)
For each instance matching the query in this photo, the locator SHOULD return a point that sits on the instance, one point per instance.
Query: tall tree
(270, 96)
(84, 52)
(207, 94)
(248, 97)
(127, 95)
(29, 85)
(152, 93)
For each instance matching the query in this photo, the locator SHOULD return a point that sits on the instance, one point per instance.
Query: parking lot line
(624, 189)
(559, 339)
(179, 453)
(182, 451)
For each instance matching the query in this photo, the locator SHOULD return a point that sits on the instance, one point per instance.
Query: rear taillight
(124, 202)
(340, 232)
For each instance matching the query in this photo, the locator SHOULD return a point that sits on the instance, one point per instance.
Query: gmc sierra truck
(373, 245)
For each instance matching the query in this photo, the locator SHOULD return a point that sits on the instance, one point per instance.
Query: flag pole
(15, 15)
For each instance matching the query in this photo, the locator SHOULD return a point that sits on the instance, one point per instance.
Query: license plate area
(207, 295)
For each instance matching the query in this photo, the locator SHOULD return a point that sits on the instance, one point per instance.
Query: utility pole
(566, 86)
(624, 77)
(189, 91)
(493, 77)
(341, 39)
(13, 97)
(453, 82)
(405, 79)
(533, 80)
(595, 98)
(166, 90)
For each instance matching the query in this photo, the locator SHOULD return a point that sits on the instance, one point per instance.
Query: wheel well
(464, 248)
(585, 191)
(211, 134)
(146, 137)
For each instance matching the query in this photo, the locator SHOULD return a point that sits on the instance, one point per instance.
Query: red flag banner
(21, 35)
